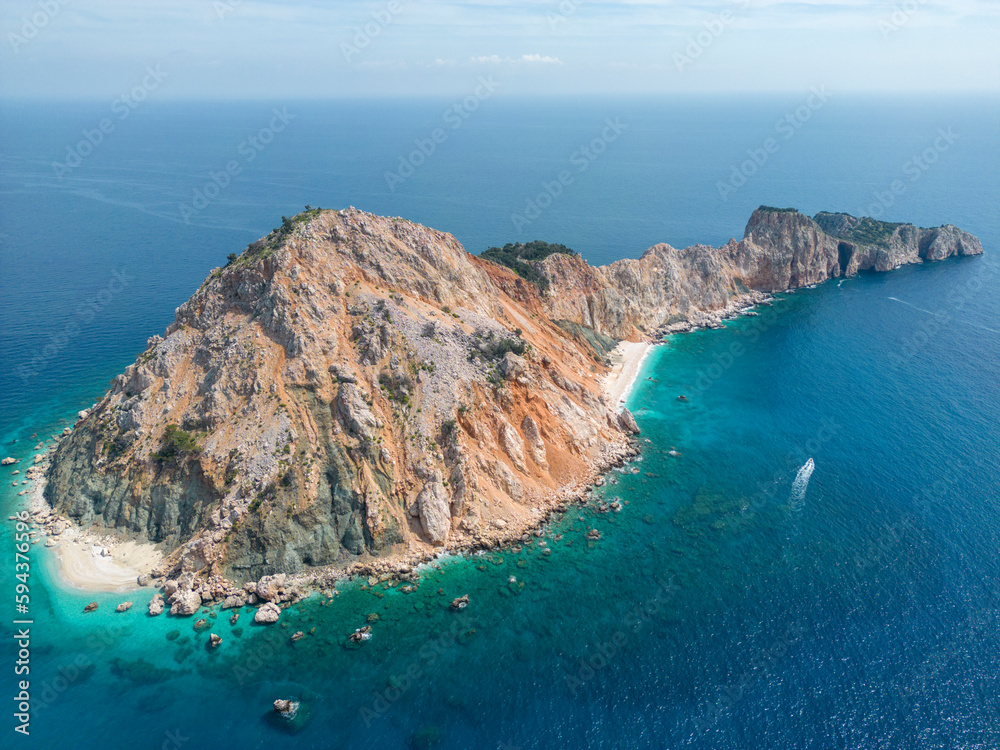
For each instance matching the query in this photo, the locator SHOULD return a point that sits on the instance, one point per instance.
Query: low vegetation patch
(773, 210)
(872, 232)
(492, 348)
(176, 444)
(519, 256)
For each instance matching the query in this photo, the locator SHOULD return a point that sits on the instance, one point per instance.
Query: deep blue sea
(731, 604)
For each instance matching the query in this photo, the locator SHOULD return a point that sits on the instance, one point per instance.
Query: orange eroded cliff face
(350, 386)
(355, 387)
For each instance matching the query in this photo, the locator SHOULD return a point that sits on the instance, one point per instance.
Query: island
(353, 394)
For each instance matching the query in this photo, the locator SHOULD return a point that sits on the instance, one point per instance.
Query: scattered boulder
(90, 607)
(461, 602)
(270, 588)
(185, 603)
(8, 461)
(627, 422)
(144, 579)
(214, 640)
(234, 618)
(593, 535)
(156, 605)
(267, 614)
(201, 624)
(512, 445)
(298, 636)
(512, 366)
(123, 607)
(536, 446)
(354, 411)
(235, 601)
(434, 509)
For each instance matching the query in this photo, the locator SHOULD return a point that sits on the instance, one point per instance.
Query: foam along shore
(626, 361)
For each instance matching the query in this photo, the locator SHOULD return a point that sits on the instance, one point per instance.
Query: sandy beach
(626, 360)
(82, 566)
(91, 563)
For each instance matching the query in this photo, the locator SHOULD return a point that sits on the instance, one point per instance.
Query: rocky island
(355, 392)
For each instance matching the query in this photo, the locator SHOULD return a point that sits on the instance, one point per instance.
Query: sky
(249, 49)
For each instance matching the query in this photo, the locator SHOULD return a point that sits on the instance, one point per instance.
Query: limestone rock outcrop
(354, 386)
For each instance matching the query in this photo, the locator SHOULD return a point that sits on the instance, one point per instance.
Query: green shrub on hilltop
(518, 256)
(176, 443)
(871, 231)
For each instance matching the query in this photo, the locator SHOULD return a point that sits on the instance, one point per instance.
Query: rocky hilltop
(356, 388)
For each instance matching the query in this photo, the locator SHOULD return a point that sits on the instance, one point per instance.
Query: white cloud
(497, 60)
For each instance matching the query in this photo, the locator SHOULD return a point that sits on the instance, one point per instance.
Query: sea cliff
(354, 390)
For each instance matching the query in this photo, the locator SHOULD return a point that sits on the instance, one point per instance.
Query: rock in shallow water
(267, 614)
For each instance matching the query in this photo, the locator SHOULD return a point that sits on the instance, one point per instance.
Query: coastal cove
(736, 600)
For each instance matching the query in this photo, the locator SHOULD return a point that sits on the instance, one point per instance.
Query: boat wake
(943, 315)
(801, 483)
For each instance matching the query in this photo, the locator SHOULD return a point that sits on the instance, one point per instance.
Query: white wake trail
(801, 483)
(940, 314)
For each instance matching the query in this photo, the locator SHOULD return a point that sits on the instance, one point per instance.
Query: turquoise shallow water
(719, 609)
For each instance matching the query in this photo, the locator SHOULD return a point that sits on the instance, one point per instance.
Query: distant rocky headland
(356, 392)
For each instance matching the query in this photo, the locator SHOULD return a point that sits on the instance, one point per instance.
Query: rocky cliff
(354, 387)
(781, 249)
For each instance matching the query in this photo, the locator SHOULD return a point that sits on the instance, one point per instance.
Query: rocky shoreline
(187, 593)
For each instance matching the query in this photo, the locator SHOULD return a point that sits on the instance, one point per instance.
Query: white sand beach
(626, 361)
(92, 563)
(82, 566)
